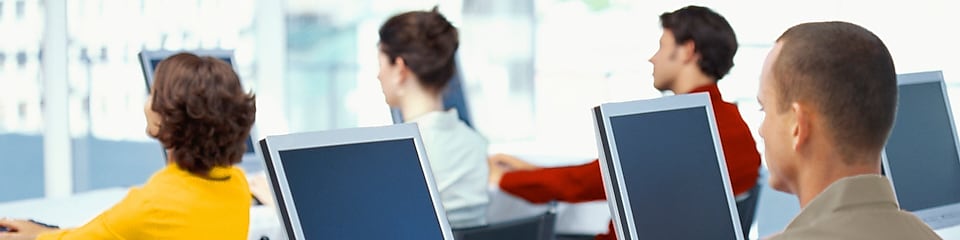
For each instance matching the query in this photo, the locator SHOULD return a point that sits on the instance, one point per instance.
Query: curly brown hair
(205, 114)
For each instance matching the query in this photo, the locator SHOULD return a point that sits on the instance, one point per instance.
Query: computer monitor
(453, 97)
(663, 169)
(921, 156)
(150, 59)
(361, 183)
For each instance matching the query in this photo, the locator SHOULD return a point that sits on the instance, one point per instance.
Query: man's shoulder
(865, 225)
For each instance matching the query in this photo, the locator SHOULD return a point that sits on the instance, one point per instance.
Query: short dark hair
(426, 42)
(711, 34)
(206, 115)
(847, 73)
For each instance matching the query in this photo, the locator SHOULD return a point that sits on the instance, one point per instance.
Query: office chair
(748, 209)
(540, 227)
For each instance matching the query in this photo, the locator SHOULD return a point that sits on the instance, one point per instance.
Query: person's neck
(691, 78)
(170, 159)
(828, 168)
(420, 102)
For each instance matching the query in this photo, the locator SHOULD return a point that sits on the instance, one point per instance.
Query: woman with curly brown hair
(200, 113)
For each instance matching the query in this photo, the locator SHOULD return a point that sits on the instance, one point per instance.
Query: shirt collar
(440, 119)
(216, 173)
(712, 89)
(848, 193)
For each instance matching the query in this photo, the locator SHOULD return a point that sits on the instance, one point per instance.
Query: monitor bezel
(942, 216)
(280, 187)
(607, 145)
(147, 68)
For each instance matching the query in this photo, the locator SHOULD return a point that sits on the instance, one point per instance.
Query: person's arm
(91, 230)
(569, 184)
(260, 188)
(21, 229)
(511, 163)
(128, 219)
(500, 164)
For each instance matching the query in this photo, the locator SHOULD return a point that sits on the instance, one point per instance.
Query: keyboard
(44, 224)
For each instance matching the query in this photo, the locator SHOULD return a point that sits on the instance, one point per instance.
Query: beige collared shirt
(854, 208)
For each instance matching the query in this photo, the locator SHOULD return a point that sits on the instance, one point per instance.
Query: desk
(65, 212)
(76, 210)
(582, 218)
(588, 218)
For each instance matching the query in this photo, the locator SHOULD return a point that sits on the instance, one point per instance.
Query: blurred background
(532, 69)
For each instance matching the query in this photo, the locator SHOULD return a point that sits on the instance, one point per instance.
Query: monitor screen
(922, 150)
(154, 61)
(672, 175)
(369, 190)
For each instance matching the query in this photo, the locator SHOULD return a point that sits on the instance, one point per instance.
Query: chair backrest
(538, 227)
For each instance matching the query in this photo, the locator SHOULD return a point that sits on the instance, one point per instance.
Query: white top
(458, 158)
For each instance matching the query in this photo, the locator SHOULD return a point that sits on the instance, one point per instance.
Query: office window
(332, 63)
(21, 117)
(497, 53)
(21, 8)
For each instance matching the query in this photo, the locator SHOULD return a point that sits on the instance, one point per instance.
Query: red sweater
(583, 183)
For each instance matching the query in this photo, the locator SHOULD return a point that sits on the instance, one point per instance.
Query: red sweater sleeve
(569, 184)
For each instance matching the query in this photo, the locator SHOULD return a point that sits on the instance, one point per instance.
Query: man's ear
(801, 125)
(688, 51)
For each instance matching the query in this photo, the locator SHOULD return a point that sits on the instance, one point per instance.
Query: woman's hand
(261, 188)
(21, 229)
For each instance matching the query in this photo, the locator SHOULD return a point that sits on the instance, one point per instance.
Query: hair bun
(426, 41)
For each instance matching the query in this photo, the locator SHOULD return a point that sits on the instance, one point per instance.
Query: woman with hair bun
(417, 60)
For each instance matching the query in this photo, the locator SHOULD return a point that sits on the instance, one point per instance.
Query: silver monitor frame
(147, 55)
(613, 181)
(945, 215)
(281, 188)
(147, 67)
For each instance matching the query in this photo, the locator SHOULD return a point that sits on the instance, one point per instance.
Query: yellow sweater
(174, 204)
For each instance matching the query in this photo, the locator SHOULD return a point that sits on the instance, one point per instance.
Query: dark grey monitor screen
(149, 81)
(921, 151)
(156, 62)
(373, 190)
(672, 175)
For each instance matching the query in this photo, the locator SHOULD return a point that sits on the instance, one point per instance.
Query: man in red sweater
(696, 50)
